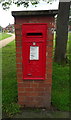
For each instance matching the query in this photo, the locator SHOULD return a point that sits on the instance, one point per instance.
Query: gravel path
(6, 41)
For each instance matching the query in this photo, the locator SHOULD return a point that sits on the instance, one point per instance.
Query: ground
(40, 113)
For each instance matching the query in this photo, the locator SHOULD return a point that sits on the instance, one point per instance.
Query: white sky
(6, 17)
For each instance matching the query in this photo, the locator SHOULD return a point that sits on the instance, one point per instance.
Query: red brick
(20, 103)
(34, 85)
(50, 35)
(49, 70)
(18, 38)
(20, 84)
(18, 51)
(19, 70)
(49, 54)
(33, 94)
(18, 54)
(50, 43)
(17, 26)
(49, 81)
(29, 99)
(21, 99)
(48, 90)
(28, 94)
(29, 89)
(19, 65)
(49, 49)
(49, 65)
(17, 32)
(17, 48)
(19, 80)
(49, 60)
(21, 89)
(19, 60)
(40, 89)
(23, 85)
(19, 75)
(25, 99)
(43, 85)
(49, 75)
(18, 44)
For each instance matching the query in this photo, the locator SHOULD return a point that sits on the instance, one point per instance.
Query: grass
(9, 89)
(60, 84)
(4, 35)
(60, 87)
(69, 46)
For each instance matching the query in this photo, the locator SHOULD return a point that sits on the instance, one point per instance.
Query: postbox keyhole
(29, 74)
(34, 43)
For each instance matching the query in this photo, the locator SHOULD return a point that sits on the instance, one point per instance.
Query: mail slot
(34, 51)
(34, 34)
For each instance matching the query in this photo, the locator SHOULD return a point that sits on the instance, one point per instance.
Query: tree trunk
(62, 32)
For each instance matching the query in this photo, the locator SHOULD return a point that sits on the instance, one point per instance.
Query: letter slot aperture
(35, 34)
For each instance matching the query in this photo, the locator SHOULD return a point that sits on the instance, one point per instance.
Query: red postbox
(34, 43)
(34, 51)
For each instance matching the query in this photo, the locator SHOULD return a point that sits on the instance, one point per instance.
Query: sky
(6, 17)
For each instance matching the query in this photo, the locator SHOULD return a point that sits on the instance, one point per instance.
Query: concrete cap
(34, 12)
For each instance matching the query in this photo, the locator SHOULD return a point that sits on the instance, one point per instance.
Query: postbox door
(34, 57)
(34, 50)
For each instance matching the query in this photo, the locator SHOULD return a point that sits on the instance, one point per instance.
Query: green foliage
(34, 2)
(4, 35)
(7, 3)
(11, 109)
(69, 47)
(0, 29)
(21, 2)
(68, 53)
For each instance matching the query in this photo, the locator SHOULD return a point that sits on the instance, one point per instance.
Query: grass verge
(4, 35)
(61, 79)
(60, 84)
(60, 87)
(9, 84)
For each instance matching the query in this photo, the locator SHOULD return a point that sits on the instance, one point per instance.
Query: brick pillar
(34, 93)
